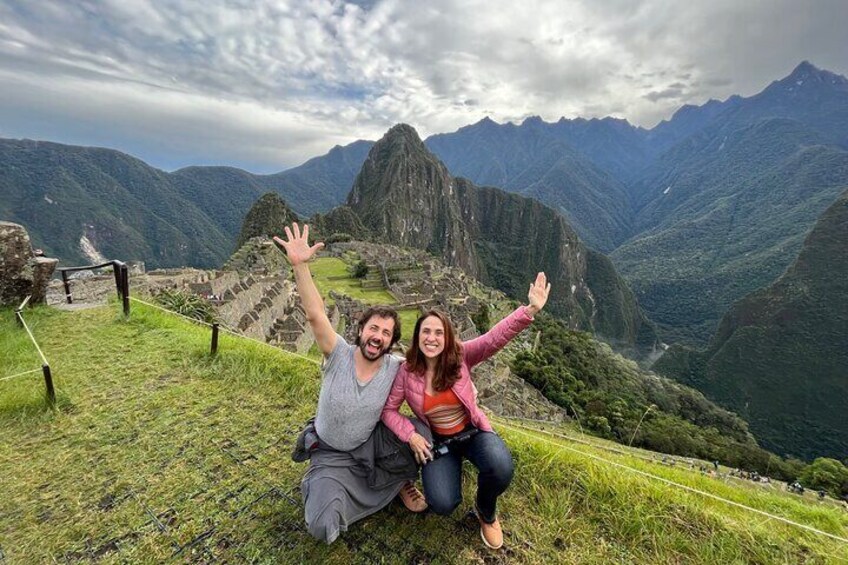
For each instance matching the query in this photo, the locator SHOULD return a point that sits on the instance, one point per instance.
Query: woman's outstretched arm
(481, 348)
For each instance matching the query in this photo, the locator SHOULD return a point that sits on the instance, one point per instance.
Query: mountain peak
(804, 68)
(400, 139)
(402, 131)
(807, 73)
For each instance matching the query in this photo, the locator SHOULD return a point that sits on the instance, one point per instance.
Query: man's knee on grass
(325, 527)
(322, 509)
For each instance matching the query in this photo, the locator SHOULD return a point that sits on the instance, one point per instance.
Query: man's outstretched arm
(299, 253)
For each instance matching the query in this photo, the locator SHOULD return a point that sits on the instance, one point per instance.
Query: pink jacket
(410, 386)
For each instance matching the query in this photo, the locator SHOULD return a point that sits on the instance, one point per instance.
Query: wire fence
(636, 452)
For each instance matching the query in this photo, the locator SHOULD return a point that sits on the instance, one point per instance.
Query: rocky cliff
(406, 196)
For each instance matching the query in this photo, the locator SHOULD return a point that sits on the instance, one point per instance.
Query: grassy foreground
(161, 453)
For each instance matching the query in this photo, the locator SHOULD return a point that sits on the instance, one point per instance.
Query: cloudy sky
(264, 85)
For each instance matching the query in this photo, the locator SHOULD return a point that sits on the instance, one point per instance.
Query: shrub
(360, 270)
(187, 304)
(825, 474)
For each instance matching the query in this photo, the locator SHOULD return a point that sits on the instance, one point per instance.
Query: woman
(435, 381)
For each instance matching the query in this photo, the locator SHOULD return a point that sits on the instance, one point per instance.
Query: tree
(825, 474)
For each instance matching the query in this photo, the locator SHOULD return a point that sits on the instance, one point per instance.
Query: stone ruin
(417, 279)
(22, 272)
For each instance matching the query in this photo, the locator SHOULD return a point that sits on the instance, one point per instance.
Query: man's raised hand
(297, 244)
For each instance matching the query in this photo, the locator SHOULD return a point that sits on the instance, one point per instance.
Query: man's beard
(363, 347)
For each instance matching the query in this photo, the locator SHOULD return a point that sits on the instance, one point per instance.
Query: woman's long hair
(449, 361)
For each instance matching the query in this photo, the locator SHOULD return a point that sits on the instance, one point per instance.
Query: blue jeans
(442, 478)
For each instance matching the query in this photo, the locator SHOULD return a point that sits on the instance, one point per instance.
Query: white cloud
(267, 84)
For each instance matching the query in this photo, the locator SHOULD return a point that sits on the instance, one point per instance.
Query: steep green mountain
(815, 97)
(69, 197)
(322, 182)
(616, 399)
(723, 212)
(780, 355)
(406, 196)
(812, 96)
(537, 159)
(267, 218)
(226, 194)
(686, 121)
(72, 197)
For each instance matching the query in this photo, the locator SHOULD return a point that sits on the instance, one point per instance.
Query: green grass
(331, 273)
(152, 426)
(408, 317)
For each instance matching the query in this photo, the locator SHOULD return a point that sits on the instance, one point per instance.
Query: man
(356, 380)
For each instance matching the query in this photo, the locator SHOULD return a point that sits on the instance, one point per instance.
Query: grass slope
(162, 453)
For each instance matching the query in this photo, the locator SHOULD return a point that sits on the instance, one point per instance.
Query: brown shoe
(492, 534)
(412, 498)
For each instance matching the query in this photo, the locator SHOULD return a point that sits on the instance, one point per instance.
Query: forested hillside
(779, 357)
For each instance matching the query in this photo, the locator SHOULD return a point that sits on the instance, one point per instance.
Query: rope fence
(20, 375)
(217, 325)
(32, 337)
(45, 366)
(584, 441)
(518, 428)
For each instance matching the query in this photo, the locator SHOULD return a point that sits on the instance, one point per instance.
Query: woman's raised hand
(538, 294)
(297, 244)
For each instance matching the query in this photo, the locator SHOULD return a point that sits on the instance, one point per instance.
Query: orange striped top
(445, 412)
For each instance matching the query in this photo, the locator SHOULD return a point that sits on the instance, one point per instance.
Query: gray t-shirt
(347, 410)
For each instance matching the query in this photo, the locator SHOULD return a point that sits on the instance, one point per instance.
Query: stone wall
(253, 303)
(276, 300)
(99, 287)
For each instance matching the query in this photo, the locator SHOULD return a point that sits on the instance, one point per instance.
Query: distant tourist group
(362, 451)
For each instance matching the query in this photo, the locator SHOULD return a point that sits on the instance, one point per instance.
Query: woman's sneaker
(492, 534)
(412, 498)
